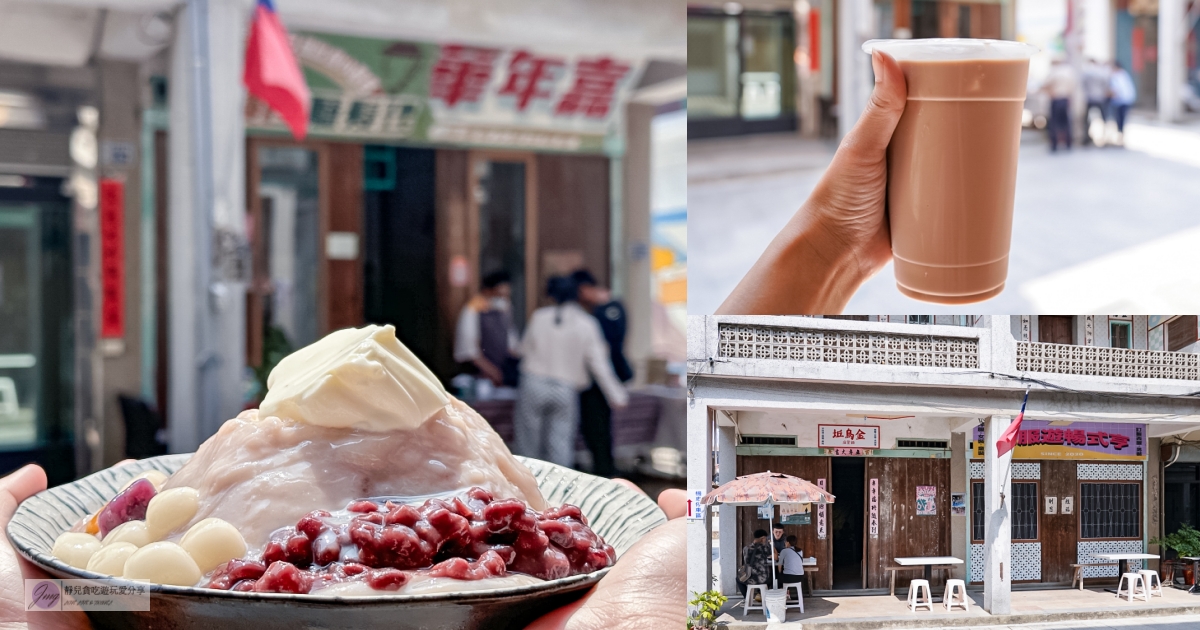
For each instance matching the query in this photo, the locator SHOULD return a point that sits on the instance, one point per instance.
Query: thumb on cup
(869, 138)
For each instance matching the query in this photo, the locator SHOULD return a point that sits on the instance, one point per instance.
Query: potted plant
(1186, 543)
(707, 605)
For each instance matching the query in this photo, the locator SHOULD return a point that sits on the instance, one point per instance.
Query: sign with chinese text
(1037, 439)
(1068, 505)
(112, 258)
(848, 452)
(795, 513)
(926, 500)
(874, 510)
(1051, 505)
(695, 508)
(848, 435)
(766, 511)
(821, 513)
(456, 93)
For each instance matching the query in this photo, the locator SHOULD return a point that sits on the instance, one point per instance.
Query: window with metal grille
(920, 319)
(770, 440)
(1110, 510)
(1024, 511)
(977, 510)
(934, 444)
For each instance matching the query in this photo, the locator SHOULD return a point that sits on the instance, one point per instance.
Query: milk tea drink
(952, 165)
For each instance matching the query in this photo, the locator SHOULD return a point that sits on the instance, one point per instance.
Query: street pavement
(1095, 229)
(1174, 622)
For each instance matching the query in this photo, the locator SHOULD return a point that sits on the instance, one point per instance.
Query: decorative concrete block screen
(977, 470)
(1027, 561)
(977, 567)
(1085, 549)
(1107, 472)
(1057, 358)
(1027, 470)
(745, 341)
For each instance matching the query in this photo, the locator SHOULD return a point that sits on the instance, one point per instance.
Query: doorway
(848, 479)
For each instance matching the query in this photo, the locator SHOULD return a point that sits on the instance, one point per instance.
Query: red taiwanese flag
(272, 73)
(1008, 439)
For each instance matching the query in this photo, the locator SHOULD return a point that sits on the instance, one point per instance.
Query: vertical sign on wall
(821, 513)
(874, 508)
(112, 258)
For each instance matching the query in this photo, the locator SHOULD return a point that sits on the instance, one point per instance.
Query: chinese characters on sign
(695, 507)
(848, 452)
(874, 518)
(456, 93)
(1037, 439)
(112, 258)
(835, 435)
(1051, 505)
(1068, 504)
(926, 500)
(821, 513)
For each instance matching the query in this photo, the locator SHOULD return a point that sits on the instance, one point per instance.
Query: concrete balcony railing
(748, 341)
(1054, 358)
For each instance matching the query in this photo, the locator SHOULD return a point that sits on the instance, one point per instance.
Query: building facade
(897, 416)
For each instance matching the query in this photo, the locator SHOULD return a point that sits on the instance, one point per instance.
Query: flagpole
(1008, 469)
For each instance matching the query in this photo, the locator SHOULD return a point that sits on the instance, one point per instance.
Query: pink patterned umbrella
(757, 488)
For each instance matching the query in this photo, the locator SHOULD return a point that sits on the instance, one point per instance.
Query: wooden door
(810, 469)
(1054, 329)
(902, 532)
(1059, 532)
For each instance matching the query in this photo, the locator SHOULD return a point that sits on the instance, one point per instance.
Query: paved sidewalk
(1049, 606)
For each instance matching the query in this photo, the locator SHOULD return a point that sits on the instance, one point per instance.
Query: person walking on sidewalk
(561, 352)
(1060, 86)
(1095, 90)
(1124, 94)
(595, 413)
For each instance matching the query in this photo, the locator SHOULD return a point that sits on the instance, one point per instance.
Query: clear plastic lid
(940, 49)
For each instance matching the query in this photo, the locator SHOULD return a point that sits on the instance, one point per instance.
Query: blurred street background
(1113, 215)
(165, 239)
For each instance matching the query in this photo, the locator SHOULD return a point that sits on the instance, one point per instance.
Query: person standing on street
(595, 413)
(485, 336)
(1060, 85)
(561, 353)
(1095, 89)
(1124, 94)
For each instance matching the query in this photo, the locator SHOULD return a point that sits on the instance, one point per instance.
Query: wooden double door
(899, 530)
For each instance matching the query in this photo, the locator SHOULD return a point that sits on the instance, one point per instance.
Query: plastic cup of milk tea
(952, 165)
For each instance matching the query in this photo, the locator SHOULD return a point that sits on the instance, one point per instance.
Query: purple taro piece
(129, 505)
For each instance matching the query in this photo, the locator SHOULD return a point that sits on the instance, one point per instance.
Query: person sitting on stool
(793, 563)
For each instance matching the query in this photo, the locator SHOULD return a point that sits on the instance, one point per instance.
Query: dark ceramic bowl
(620, 515)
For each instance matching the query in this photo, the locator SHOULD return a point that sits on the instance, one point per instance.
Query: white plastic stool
(799, 595)
(762, 593)
(914, 596)
(1136, 584)
(1152, 581)
(953, 587)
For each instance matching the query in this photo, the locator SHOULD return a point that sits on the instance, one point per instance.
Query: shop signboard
(847, 436)
(795, 513)
(1040, 439)
(821, 513)
(873, 525)
(382, 90)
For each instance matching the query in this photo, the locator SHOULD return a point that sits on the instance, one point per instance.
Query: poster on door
(926, 500)
(795, 513)
(874, 509)
(821, 513)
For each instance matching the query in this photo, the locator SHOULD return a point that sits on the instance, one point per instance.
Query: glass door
(20, 334)
(504, 200)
